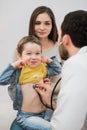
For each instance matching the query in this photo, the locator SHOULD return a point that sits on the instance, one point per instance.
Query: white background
(14, 20)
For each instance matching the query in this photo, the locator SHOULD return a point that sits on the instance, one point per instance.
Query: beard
(63, 52)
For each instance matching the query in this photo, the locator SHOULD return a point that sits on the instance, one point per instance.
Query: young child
(30, 68)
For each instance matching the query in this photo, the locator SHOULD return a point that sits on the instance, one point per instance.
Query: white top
(72, 99)
(53, 52)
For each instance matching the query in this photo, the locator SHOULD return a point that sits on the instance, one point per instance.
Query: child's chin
(33, 66)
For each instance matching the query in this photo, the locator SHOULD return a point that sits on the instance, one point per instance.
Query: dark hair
(39, 10)
(25, 40)
(75, 24)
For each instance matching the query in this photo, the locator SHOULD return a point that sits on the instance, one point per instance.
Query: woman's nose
(42, 27)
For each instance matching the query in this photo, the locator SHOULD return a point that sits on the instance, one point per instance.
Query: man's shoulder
(76, 64)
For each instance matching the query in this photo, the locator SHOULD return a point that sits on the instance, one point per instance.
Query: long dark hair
(43, 9)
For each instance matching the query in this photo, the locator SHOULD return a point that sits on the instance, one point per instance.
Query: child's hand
(46, 59)
(19, 64)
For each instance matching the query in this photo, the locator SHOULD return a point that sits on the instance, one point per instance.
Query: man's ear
(66, 39)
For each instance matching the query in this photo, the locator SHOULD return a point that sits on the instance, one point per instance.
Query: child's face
(31, 54)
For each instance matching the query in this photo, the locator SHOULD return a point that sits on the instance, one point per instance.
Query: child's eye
(38, 53)
(28, 53)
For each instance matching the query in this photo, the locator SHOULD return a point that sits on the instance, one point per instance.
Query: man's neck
(73, 50)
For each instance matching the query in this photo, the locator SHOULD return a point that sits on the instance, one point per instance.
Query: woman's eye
(37, 23)
(47, 23)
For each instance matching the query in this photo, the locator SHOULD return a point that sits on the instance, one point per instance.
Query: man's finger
(39, 91)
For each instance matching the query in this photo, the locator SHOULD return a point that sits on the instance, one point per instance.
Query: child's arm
(10, 74)
(53, 67)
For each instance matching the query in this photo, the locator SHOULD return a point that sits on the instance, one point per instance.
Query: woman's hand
(45, 91)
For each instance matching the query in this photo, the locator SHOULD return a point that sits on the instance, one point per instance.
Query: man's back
(73, 94)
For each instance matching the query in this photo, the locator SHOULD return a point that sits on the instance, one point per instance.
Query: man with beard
(71, 110)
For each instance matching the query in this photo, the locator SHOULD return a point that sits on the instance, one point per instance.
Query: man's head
(73, 33)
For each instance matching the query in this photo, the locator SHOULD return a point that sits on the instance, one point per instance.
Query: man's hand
(45, 91)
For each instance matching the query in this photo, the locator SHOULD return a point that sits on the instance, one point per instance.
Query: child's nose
(33, 56)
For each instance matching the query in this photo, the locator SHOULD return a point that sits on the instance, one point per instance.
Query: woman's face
(43, 25)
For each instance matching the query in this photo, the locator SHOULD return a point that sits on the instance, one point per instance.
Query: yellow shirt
(32, 75)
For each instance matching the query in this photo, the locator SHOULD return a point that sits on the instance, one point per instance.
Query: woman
(42, 24)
